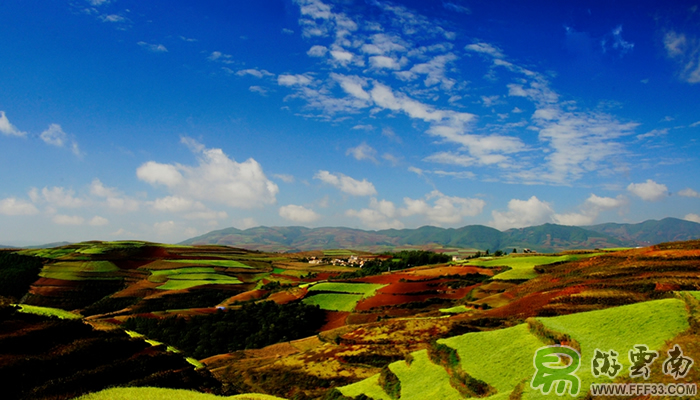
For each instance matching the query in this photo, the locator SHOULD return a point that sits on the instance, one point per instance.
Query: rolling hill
(544, 238)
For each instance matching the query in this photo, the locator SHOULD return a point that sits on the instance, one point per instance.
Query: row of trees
(253, 326)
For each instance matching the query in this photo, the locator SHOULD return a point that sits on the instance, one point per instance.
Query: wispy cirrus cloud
(685, 51)
(153, 48)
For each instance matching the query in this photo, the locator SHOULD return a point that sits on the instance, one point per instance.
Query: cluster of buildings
(352, 261)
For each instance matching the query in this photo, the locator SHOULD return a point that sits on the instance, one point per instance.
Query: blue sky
(164, 120)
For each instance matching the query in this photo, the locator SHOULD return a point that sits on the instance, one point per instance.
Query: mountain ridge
(542, 238)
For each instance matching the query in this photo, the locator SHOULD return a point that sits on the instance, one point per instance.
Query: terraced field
(504, 358)
(522, 267)
(339, 296)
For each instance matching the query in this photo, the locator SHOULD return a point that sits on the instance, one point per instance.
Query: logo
(550, 368)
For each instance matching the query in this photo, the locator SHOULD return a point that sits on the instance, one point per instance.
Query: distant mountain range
(544, 238)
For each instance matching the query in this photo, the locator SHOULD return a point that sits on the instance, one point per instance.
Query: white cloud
(688, 192)
(258, 73)
(685, 51)
(175, 204)
(298, 213)
(615, 40)
(456, 7)
(452, 159)
(485, 48)
(435, 71)
(286, 178)
(590, 210)
(59, 197)
(384, 62)
(692, 218)
(217, 178)
(317, 51)
(379, 215)
(98, 221)
(352, 85)
(155, 48)
(67, 219)
(347, 184)
(579, 142)
(444, 210)
(293, 80)
(207, 215)
(649, 190)
(55, 136)
(156, 173)
(363, 152)
(653, 133)
(258, 89)
(522, 213)
(7, 128)
(113, 199)
(14, 206)
(114, 18)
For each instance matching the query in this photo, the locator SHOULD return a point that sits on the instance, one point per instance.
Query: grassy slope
(423, 379)
(48, 311)
(621, 328)
(523, 266)
(365, 289)
(503, 358)
(334, 301)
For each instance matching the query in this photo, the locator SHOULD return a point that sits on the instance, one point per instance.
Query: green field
(180, 271)
(46, 253)
(152, 393)
(455, 309)
(365, 289)
(79, 270)
(183, 282)
(423, 379)
(213, 263)
(504, 358)
(522, 267)
(334, 301)
(185, 278)
(48, 311)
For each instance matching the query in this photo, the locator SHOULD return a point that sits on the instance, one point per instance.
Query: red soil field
(451, 270)
(386, 299)
(288, 296)
(529, 305)
(334, 319)
(247, 296)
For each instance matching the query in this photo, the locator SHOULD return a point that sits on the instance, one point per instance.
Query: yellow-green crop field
(48, 312)
(504, 358)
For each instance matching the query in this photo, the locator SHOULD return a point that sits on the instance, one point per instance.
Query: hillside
(652, 231)
(225, 321)
(545, 238)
